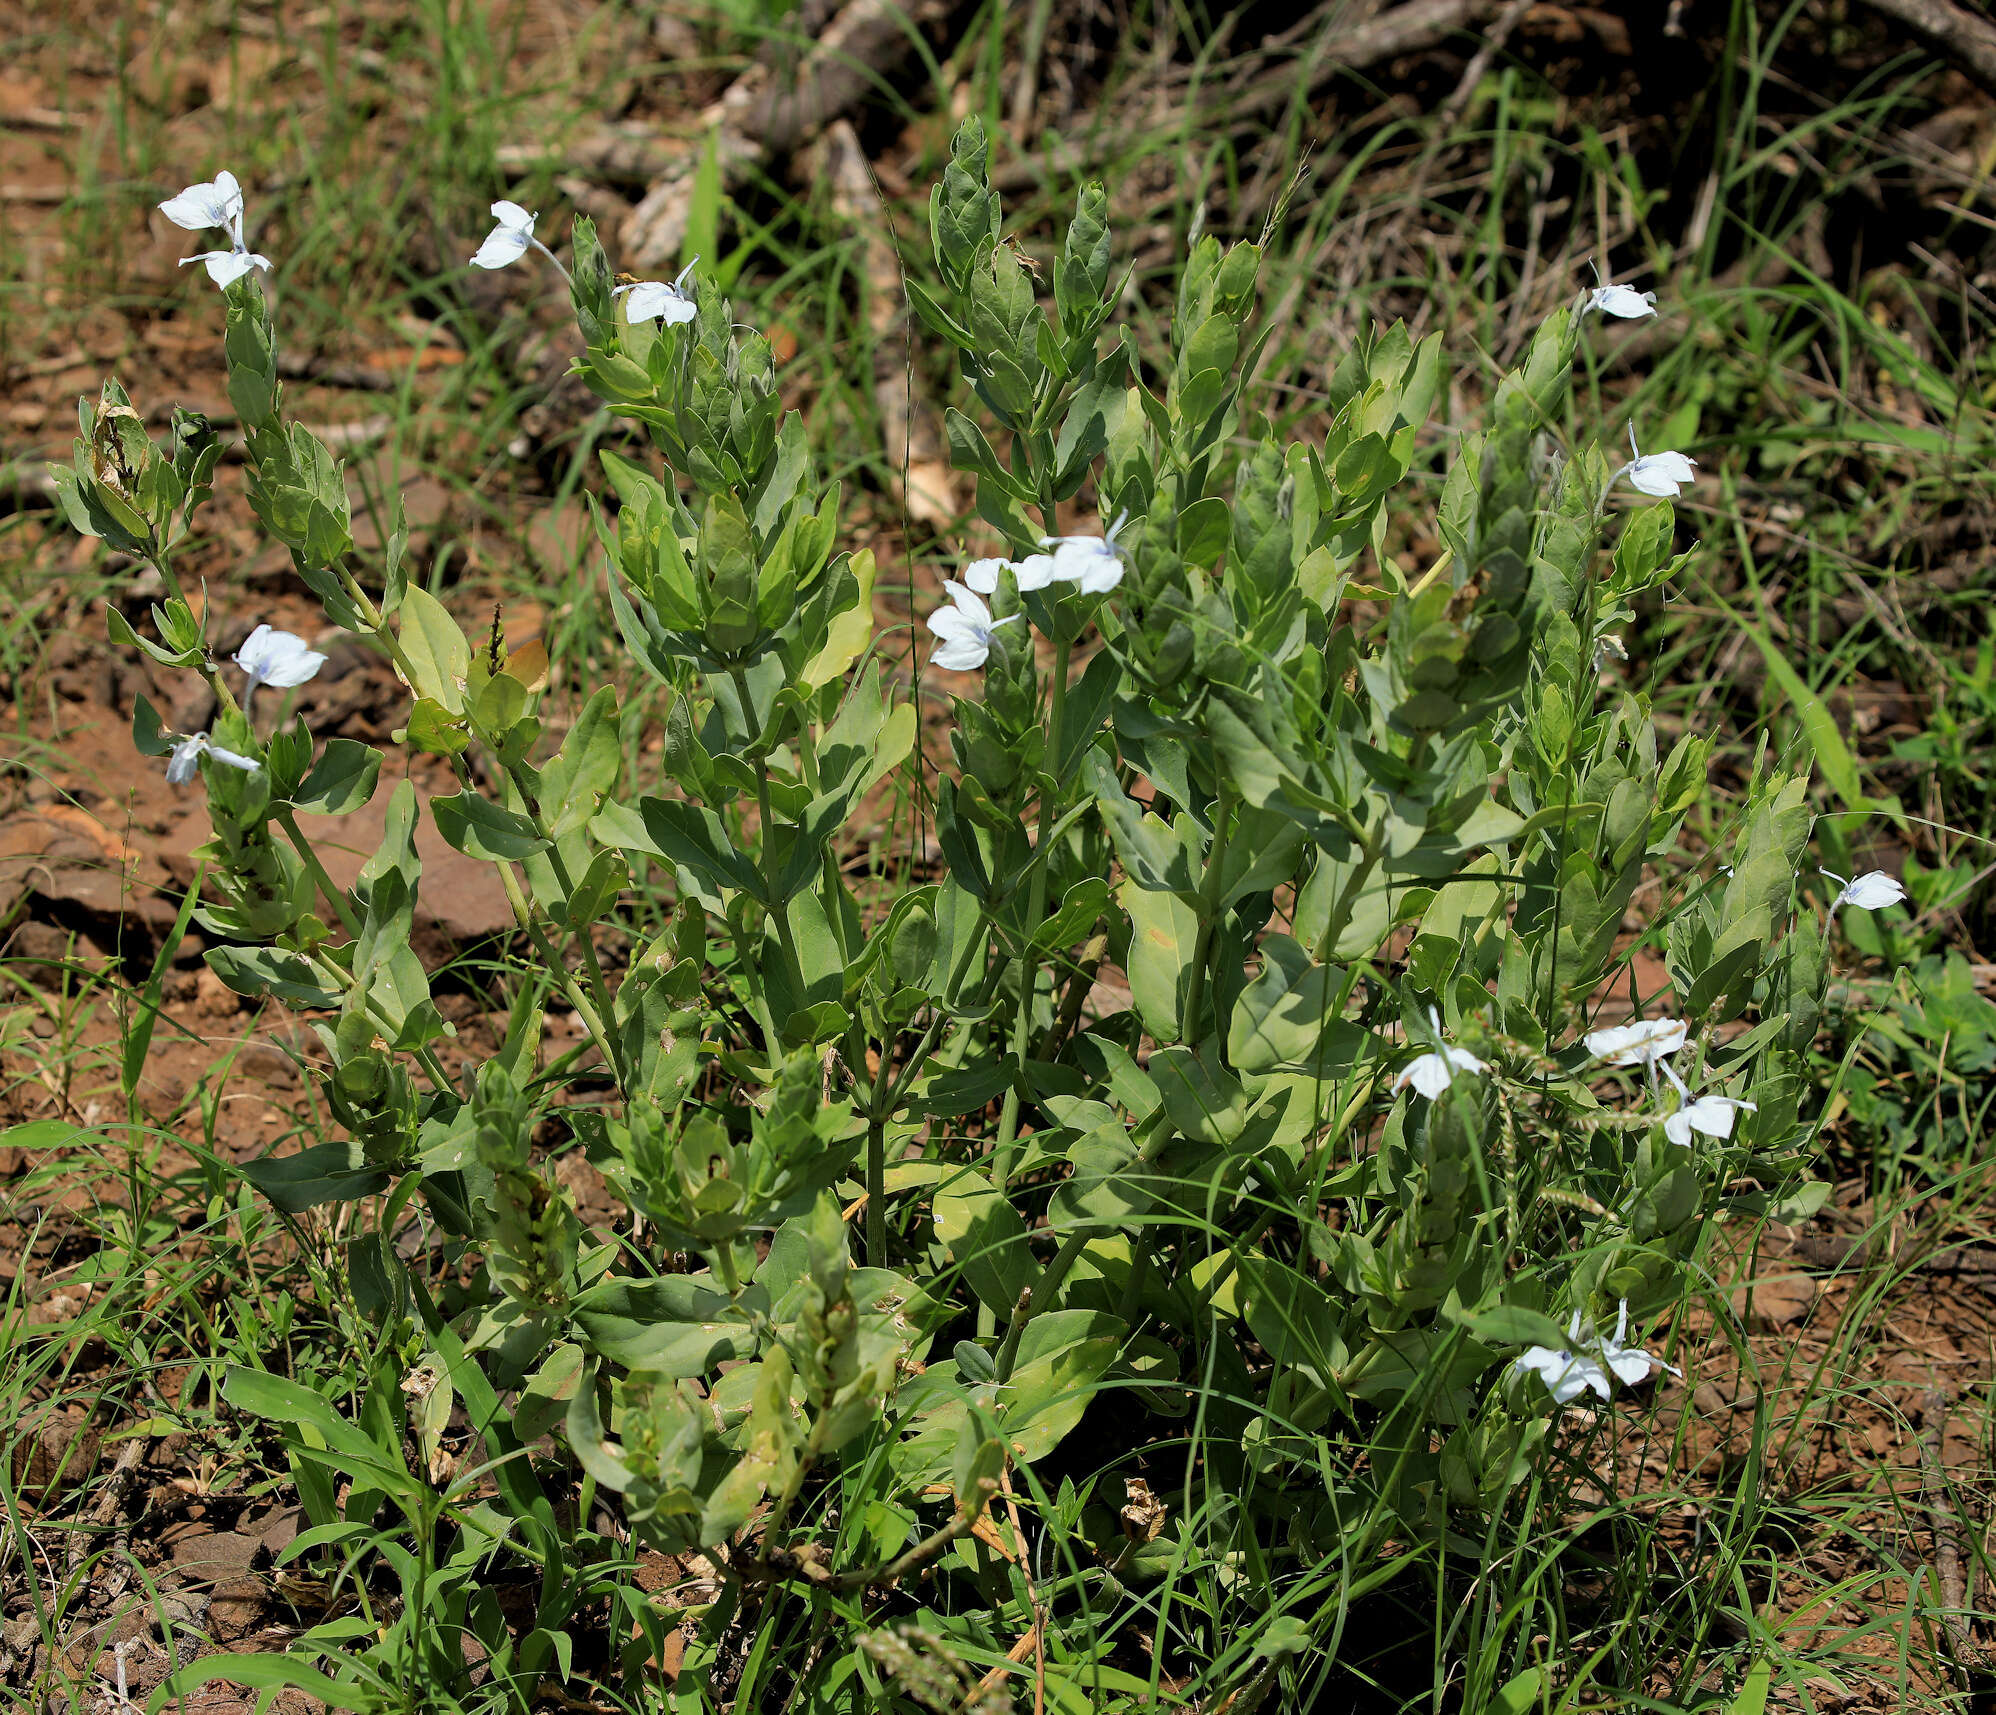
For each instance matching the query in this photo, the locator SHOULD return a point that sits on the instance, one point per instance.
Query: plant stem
(876, 1142)
(1209, 913)
(523, 914)
(766, 860)
(598, 986)
(332, 894)
(1054, 1275)
(1003, 1151)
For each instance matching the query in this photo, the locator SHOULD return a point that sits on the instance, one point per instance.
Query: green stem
(876, 1143)
(1209, 913)
(333, 895)
(599, 987)
(724, 1266)
(766, 856)
(1224, 1269)
(1003, 1151)
(523, 915)
(423, 1054)
(1374, 849)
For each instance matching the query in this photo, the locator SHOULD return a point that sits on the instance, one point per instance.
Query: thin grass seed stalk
(1338, 1185)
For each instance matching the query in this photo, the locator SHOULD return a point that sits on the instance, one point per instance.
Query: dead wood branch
(1957, 32)
(910, 434)
(1356, 46)
(1953, 1586)
(765, 114)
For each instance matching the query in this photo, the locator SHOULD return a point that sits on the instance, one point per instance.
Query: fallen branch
(1953, 1586)
(764, 114)
(911, 436)
(1966, 39)
(1408, 29)
(119, 1484)
(618, 155)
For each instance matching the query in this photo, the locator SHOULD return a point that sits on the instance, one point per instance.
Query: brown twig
(766, 113)
(1966, 39)
(116, 1487)
(1038, 1631)
(1407, 29)
(911, 436)
(1947, 1530)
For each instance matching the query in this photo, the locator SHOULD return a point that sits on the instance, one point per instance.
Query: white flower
(1034, 572)
(1641, 1043)
(1630, 1364)
(1571, 1369)
(1713, 1115)
(217, 203)
(1093, 562)
(651, 300)
(1870, 892)
(182, 765)
(1432, 1072)
(1661, 474)
(508, 241)
(1623, 301)
(226, 267)
(964, 630)
(279, 658)
(1567, 1370)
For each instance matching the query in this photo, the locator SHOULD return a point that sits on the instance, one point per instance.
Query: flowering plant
(848, 1130)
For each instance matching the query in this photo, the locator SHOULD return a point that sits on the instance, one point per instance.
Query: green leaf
(1062, 1355)
(332, 1172)
(1752, 1698)
(1203, 529)
(1513, 1325)
(265, 1673)
(341, 781)
(148, 731)
(433, 728)
(581, 775)
(290, 977)
(985, 1238)
(689, 835)
(482, 829)
(439, 658)
(1204, 1101)
(278, 1399)
(677, 1325)
(1163, 929)
(851, 632)
(1281, 1015)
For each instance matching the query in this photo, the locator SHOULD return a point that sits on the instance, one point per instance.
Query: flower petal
(1872, 892)
(219, 202)
(226, 267)
(1034, 572)
(503, 245)
(968, 602)
(1638, 1042)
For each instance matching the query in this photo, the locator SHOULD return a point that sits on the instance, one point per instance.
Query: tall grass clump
(1232, 1177)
